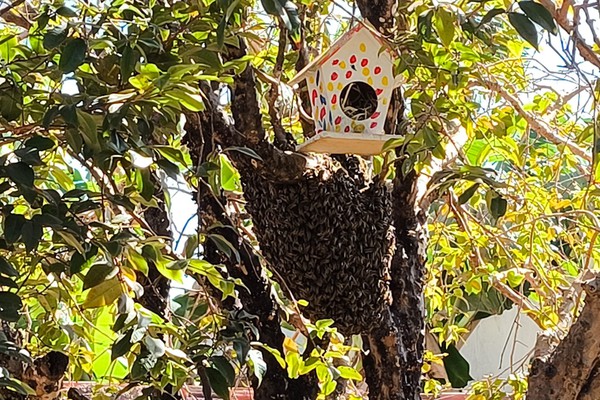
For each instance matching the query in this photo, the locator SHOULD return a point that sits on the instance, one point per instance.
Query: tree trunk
(328, 233)
(44, 375)
(572, 370)
(258, 301)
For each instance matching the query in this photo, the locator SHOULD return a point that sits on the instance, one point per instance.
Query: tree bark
(257, 300)
(326, 232)
(44, 375)
(571, 371)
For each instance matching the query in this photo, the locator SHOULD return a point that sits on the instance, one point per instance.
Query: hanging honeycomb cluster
(329, 237)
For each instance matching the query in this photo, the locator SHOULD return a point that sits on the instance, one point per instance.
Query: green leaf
(20, 173)
(17, 386)
(71, 240)
(73, 55)
(349, 373)
(230, 178)
(121, 346)
(224, 245)
(171, 169)
(10, 304)
(97, 274)
(456, 367)
(467, 194)
(498, 207)
(137, 261)
(7, 282)
(7, 268)
(54, 38)
(10, 101)
(31, 235)
(490, 15)
(218, 383)
(104, 294)
(127, 63)
(89, 129)
(13, 224)
(40, 143)
(540, 15)
(191, 101)
(258, 364)
(69, 114)
(173, 274)
(524, 27)
(66, 12)
(224, 366)
(444, 25)
(329, 387)
(221, 32)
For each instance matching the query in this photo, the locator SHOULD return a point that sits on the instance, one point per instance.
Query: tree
(100, 103)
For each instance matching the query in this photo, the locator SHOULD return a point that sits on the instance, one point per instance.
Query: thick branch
(571, 372)
(380, 13)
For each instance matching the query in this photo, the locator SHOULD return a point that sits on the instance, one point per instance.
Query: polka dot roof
(356, 57)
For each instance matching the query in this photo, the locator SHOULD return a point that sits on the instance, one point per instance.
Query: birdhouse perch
(350, 87)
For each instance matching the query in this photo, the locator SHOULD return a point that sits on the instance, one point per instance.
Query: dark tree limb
(571, 371)
(201, 129)
(395, 338)
(156, 286)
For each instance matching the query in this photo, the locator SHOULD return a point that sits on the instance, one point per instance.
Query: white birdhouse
(350, 87)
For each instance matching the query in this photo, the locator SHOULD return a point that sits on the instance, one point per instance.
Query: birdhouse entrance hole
(358, 100)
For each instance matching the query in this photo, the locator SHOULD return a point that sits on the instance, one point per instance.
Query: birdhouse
(350, 88)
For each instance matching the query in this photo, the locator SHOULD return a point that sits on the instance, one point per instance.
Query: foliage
(93, 98)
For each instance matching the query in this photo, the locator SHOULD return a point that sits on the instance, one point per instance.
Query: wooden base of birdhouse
(345, 143)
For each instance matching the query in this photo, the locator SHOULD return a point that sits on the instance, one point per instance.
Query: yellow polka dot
(340, 86)
(343, 65)
(363, 47)
(312, 79)
(334, 106)
(330, 86)
(384, 102)
(337, 128)
(384, 81)
(320, 87)
(366, 71)
(370, 81)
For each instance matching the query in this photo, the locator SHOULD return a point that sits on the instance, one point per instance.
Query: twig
(561, 17)
(541, 127)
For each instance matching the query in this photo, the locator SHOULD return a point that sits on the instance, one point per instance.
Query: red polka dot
(379, 91)
(375, 115)
(364, 62)
(323, 111)
(334, 76)
(353, 59)
(348, 74)
(373, 125)
(334, 99)
(377, 70)
(336, 62)
(338, 120)
(319, 131)
(347, 129)
(314, 95)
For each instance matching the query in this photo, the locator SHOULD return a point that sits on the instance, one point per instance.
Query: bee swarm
(328, 235)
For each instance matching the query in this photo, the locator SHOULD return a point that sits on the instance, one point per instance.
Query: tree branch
(561, 17)
(538, 125)
(571, 371)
